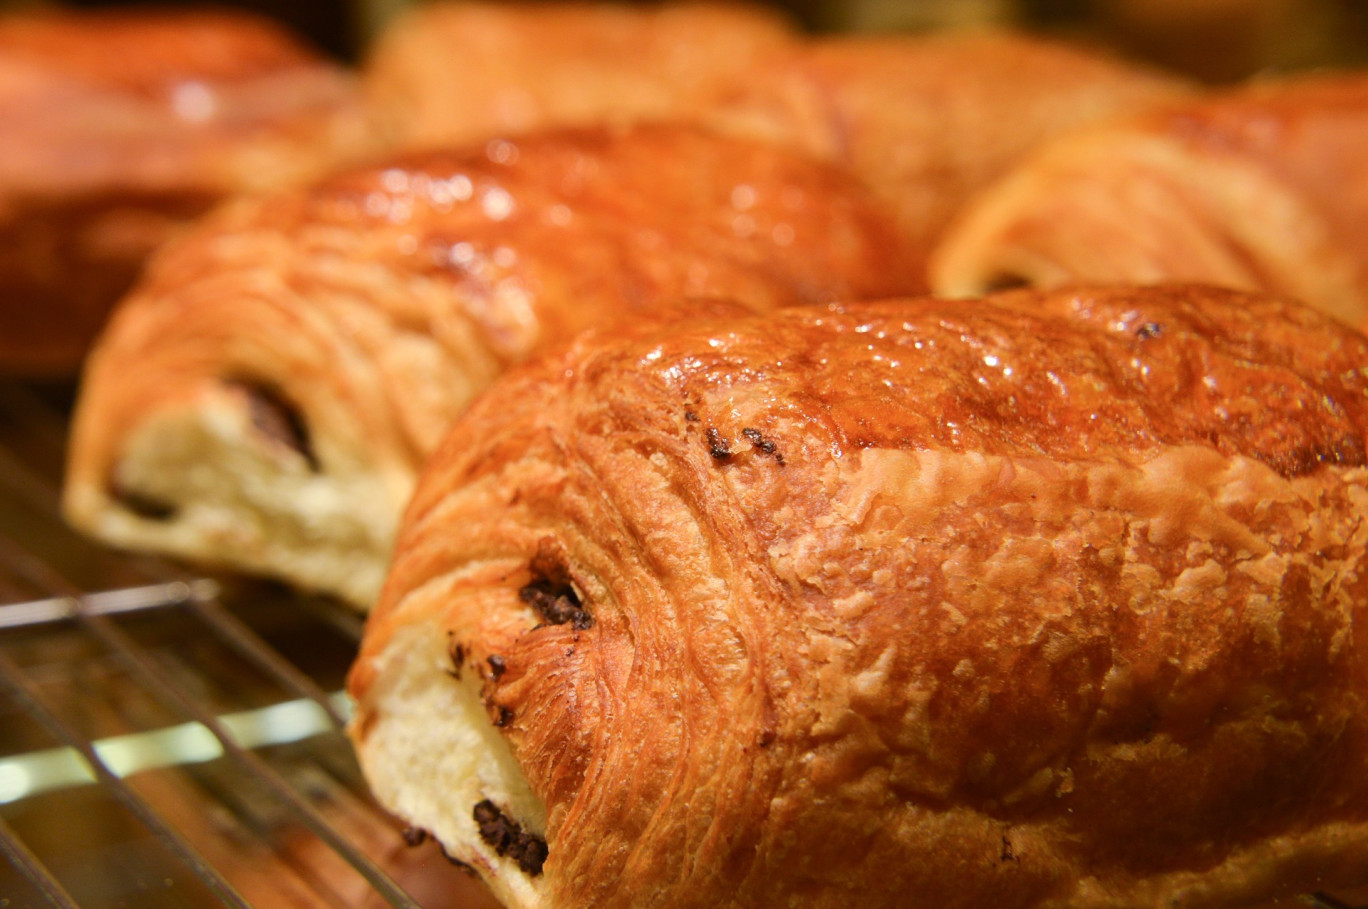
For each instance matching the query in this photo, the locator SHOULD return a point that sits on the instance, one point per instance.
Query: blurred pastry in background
(118, 127)
(1260, 187)
(924, 121)
(448, 72)
(265, 396)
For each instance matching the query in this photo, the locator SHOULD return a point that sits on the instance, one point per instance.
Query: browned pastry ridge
(266, 395)
(1052, 600)
(925, 121)
(116, 128)
(1263, 187)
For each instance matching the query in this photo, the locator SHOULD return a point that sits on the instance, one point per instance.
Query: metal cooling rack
(174, 740)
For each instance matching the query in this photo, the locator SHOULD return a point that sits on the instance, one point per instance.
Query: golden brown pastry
(265, 396)
(1053, 600)
(461, 71)
(929, 120)
(118, 127)
(925, 121)
(1265, 187)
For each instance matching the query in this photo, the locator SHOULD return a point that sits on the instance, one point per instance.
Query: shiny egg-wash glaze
(266, 395)
(121, 127)
(1056, 600)
(925, 121)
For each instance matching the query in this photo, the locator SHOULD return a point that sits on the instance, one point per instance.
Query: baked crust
(119, 127)
(924, 121)
(1051, 600)
(1262, 187)
(265, 396)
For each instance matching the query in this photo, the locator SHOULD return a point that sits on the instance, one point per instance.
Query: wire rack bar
(167, 691)
(23, 693)
(200, 595)
(155, 681)
(30, 488)
(249, 644)
(31, 868)
(112, 602)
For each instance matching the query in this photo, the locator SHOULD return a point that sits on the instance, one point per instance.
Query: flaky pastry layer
(266, 395)
(1053, 600)
(1258, 188)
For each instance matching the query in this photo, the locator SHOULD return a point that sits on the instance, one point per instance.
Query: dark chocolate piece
(278, 419)
(457, 653)
(1008, 854)
(762, 444)
(1005, 281)
(551, 593)
(718, 447)
(142, 504)
(506, 837)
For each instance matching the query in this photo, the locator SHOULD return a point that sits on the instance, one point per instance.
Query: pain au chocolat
(119, 127)
(1057, 599)
(449, 72)
(929, 120)
(265, 396)
(925, 120)
(1261, 187)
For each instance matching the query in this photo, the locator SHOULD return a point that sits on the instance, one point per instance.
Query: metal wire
(22, 692)
(29, 866)
(92, 613)
(250, 645)
(165, 689)
(61, 603)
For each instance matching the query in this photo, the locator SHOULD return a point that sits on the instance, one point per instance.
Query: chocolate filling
(142, 504)
(1005, 280)
(1008, 854)
(555, 606)
(717, 446)
(507, 838)
(762, 444)
(456, 652)
(414, 836)
(277, 419)
(1347, 451)
(551, 593)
